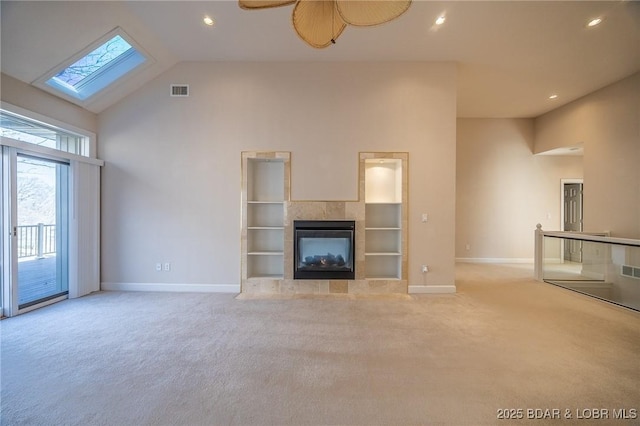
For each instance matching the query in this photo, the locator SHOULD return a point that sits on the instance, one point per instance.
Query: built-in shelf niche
(383, 241)
(264, 212)
(383, 180)
(383, 194)
(265, 180)
(268, 214)
(383, 267)
(265, 240)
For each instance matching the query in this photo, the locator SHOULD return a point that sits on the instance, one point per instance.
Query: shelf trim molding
(383, 253)
(265, 253)
(267, 228)
(264, 202)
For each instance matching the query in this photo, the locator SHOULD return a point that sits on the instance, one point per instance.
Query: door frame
(5, 230)
(562, 184)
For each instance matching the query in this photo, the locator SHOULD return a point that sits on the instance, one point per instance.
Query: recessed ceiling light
(209, 21)
(554, 96)
(594, 22)
(440, 20)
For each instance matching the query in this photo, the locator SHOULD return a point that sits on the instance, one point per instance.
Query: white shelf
(265, 253)
(265, 228)
(264, 202)
(382, 203)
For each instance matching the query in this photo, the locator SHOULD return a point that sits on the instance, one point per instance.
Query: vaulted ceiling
(511, 56)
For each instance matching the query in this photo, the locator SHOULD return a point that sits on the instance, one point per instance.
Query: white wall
(608, 123)
(503, 190)
(171, 184)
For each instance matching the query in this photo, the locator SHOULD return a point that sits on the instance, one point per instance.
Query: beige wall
(608, 123)
(503, 190)
(171, 183)
(33, 99)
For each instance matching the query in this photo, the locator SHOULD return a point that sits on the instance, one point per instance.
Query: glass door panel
(42, 199)
(4, 224)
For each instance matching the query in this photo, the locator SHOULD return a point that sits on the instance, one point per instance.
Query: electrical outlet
(425, 217)
(167, 267)
(468, 247)
(425, 269)
(158, 267)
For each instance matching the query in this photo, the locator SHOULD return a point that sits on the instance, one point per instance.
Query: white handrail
(595, 237)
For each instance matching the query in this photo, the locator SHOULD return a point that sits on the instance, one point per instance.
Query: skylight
(97, 69)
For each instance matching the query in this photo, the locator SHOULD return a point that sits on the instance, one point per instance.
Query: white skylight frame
(102, 79)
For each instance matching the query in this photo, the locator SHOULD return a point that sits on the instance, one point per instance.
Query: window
(86, 74)
(31, 131)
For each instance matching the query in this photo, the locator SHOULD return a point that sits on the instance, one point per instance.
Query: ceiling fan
(320, 22)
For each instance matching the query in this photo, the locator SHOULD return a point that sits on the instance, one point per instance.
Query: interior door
(573, 220)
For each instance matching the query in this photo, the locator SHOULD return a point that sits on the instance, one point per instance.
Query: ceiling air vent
(180, 90)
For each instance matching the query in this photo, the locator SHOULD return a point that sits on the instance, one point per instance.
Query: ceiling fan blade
(263, 4)
(371, 12)
(317, 22)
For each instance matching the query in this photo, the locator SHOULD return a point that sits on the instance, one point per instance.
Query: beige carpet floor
(502, 342)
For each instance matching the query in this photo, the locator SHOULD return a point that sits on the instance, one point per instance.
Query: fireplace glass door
(324, 250)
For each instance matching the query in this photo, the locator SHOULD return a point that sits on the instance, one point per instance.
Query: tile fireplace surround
(321, 210)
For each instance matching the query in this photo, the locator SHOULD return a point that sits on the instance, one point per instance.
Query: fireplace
(324, 249)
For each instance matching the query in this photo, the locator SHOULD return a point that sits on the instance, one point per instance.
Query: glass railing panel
(606, 270)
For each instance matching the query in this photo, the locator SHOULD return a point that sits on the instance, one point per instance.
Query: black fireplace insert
(324, 249)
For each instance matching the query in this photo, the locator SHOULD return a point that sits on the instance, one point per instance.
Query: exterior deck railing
(36, 240)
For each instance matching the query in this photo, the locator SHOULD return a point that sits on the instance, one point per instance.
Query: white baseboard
(432, 289)
(235, 288)
(183, 288)
(494, 260)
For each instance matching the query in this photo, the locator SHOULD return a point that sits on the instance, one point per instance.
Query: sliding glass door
(35, 230)
(49, 211)
(42, 229)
